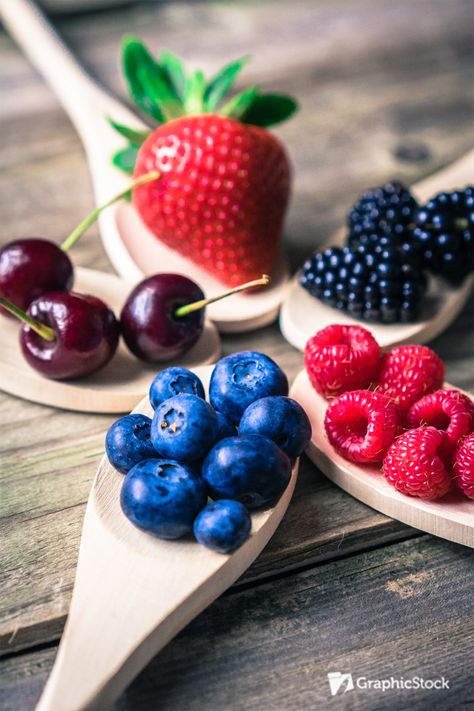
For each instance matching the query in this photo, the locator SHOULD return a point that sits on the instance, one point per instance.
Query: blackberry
(445, 230)
(379, 281)
(385, 211)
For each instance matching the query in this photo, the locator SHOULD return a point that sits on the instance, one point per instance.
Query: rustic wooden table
(386, 91)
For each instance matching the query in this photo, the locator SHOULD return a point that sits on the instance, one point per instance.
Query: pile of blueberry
(238, 449)
(380, 275)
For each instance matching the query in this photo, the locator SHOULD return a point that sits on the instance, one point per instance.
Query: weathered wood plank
(371, 99)
(44, 494)
(321, 523)
(403, 610)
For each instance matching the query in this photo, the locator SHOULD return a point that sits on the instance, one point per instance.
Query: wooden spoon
(133, 593)
(451, 517)
(117, 387)
(132, 249)
(302, 315)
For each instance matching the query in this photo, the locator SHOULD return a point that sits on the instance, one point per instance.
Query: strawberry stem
(92, 217)
(41, 329)
(196, 305)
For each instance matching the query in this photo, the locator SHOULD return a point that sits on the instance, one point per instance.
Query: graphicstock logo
(345, 682)
(338, 680)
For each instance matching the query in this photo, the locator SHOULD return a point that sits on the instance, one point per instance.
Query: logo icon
(338, 680)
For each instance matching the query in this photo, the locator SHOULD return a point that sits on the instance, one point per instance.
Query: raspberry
(448, 410)
(417, 463)
(463, 467)
(408, 373)
(341, 358)
(361, 425)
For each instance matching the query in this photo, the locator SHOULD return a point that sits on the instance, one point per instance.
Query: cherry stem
(41, 329)
(196, 305)
(92, 217)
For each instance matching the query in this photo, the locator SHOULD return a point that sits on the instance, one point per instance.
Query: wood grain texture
(377, 614)
(386, 91)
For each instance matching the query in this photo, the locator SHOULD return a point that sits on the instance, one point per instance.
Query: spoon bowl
(132, 249)
(133, 592)
(302, 315)
(451, 517)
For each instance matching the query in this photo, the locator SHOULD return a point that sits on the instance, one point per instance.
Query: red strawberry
(222, 196)
(225, 181)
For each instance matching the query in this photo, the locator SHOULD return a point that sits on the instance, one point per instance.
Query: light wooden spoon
(132, 249)
(133, 593)
(302, 315)
(117, 387)
(452, 517)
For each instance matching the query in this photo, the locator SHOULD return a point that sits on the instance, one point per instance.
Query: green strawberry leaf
(222, 82)
(131, 134)
(269, 109)
(240, 103)
(173, 68)
(159, 91)
(194, 94)
(135, 56)
(125, 158)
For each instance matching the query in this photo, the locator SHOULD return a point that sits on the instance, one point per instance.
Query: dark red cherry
(79, 335)
(149, 325)
(164, 315)
(30, 267)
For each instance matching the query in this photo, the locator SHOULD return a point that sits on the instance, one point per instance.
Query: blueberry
(174, 381)
(162, 497)
(282, 420)
(128, 442)
(249, 468)
(184, 428)
(241, 378)
(224, 427)
(223, 525)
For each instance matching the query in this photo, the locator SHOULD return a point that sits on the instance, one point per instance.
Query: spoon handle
(455, 175)
(84, 101)
(133, 593)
